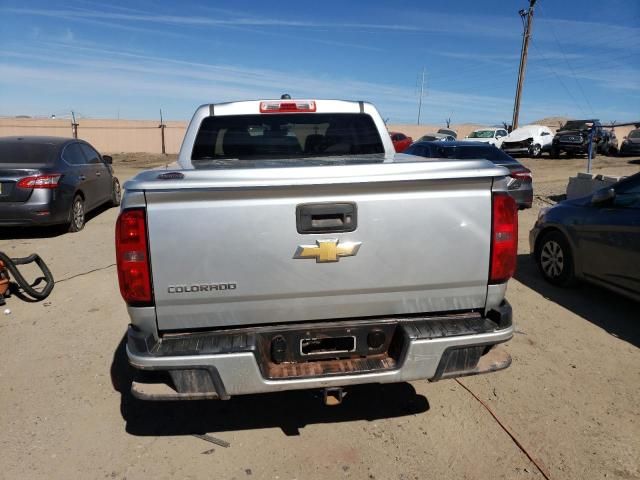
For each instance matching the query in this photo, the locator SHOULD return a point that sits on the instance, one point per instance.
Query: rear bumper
(630, 149)
(572, 147)
(32, 213)
(516, 150)
(431, 348)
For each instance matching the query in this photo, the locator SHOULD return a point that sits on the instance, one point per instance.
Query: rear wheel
(77, 214)
(555, 260)
(115, 193)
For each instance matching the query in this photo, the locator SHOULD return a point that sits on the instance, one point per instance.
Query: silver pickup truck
(292, 248)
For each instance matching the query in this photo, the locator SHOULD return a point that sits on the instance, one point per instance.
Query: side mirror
(602, 197)
(108, 159)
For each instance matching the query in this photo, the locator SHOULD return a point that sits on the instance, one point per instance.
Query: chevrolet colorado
(292, 248)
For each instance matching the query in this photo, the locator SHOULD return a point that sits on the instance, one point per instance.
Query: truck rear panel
(224, 257)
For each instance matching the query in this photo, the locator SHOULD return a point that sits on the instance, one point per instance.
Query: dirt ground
(570, 396)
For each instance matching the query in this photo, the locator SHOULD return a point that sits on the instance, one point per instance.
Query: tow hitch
(21, 288)
(333, 396)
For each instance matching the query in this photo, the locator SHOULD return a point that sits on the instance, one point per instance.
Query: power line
(561, 82)
(553, 31)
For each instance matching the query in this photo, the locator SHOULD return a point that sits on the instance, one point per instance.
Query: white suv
(492, 136)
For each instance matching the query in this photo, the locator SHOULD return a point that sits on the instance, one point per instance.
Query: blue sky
(128, 59)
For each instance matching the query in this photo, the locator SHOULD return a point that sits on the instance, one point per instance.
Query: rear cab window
(285, 136)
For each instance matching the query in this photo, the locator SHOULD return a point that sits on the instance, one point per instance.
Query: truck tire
(77, 214)
(554, 152)
(555, 260)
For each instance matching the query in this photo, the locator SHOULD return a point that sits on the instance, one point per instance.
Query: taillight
(504, 238)
(521, 175)
(40, 181)
(279, 106)
(132, 258)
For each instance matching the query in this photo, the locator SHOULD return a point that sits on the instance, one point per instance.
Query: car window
(22, 152)
(73, 155)
(502, 133)
(91, 154)
(628, 193)
(401, 136)
(482, 134)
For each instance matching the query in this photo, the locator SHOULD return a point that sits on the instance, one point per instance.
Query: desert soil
(570, 396)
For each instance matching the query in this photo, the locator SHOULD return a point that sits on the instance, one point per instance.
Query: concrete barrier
(584, 184)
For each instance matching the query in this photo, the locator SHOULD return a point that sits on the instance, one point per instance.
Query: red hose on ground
(538, 463)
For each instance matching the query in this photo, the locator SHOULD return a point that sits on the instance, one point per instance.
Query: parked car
(609, 144)
(520, 184)
(447, 131)
(492, 136)
(52, 180)
(631, 143)
(573, 138)
(400, 141)
(529, 140)
(436, 137)
(595, 238)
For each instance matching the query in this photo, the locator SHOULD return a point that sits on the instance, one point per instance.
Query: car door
(500, 134)
(610, 240)
(101, 177)
(79, 170)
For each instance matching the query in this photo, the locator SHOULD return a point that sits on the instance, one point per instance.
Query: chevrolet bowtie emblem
(327, 250)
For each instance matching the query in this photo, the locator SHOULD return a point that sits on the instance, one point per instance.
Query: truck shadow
(289, 411)
(609, 311)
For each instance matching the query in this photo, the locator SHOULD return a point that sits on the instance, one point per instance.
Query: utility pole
(527, 20)
(74, 125)
(421, 94)
(162, 127)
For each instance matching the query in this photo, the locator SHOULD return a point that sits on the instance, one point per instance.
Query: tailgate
(223, 257)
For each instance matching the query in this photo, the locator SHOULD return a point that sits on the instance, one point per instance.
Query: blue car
(595, 238)
(520, 182)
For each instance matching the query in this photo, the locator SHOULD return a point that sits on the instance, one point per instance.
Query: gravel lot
(570, 397)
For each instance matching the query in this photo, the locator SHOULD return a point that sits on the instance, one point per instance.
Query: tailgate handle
(326, 217)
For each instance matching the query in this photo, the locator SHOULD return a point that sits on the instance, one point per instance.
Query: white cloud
(97, 70)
